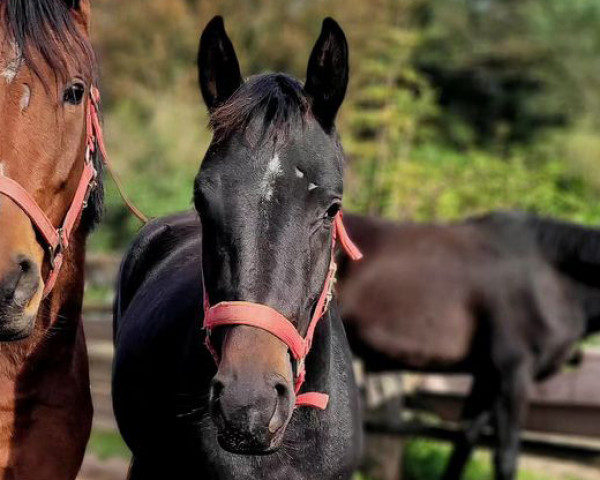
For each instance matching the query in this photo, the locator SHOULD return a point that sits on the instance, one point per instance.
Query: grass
(593, 341)
(426, 460)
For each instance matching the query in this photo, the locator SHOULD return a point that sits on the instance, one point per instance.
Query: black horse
(504, 297)
(267, 194)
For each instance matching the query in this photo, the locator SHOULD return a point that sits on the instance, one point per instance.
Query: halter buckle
(298, 367)
(332, 282)
(54, 252)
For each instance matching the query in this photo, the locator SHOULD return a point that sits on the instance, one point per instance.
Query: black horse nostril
(282, 406)
(216, 389)
(281, 389)
(216, 410)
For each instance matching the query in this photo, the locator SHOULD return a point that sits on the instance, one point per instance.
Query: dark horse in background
(504, 297)
(47, 77)
(267, 194)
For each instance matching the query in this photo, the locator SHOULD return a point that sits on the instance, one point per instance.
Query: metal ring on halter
(88, 152)
(298, 366)
(92, 186)
(54, 252)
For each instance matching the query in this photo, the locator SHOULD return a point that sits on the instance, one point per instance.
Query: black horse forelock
(276, 98)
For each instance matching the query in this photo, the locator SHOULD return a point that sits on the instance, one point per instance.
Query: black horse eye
(333, 210)
(73, 95)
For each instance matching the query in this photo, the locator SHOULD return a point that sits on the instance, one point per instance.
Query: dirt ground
(116, 469)
(560, 469)
(96, 469)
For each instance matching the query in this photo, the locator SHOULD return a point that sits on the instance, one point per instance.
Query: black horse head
(268, 190)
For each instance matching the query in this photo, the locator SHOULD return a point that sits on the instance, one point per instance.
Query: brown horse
(503, 297)
(47, 71)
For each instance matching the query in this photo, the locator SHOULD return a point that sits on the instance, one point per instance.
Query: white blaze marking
(12, 67)
(268, 182)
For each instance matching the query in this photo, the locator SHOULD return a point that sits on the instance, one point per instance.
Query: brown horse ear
(81, 10)
(327, 73)
(218, 68)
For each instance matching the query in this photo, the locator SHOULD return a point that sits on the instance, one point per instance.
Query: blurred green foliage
(106, 444)
(455, 107)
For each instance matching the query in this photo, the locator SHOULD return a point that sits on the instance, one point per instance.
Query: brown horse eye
(73, 95)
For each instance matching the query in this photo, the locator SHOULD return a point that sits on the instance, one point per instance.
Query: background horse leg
(509, 415)
(477, 411)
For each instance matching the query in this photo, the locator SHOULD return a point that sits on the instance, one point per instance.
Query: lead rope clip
(330, 290)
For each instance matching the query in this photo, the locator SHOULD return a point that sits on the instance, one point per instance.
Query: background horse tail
(573, 249)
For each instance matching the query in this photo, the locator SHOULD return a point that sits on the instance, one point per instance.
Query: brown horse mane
(48, 27)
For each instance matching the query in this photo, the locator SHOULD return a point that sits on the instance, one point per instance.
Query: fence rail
(564, 415)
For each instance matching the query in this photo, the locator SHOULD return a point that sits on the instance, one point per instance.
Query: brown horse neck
(45, 401)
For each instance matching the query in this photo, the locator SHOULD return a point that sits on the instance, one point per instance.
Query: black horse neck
(319, 360)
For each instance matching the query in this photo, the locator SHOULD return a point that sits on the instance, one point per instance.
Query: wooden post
(383, 452)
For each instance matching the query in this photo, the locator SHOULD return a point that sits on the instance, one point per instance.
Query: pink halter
(269, 319)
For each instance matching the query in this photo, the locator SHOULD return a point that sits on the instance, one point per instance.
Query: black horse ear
(327, 73)
(218, 68)
(73, 4)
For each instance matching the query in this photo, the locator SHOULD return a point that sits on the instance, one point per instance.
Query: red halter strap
(57, 239)
(269, 319)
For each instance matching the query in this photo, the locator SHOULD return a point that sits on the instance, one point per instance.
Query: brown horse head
(46, 71)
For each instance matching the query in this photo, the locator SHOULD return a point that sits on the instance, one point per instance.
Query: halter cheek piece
(266, 318)
(57, 239)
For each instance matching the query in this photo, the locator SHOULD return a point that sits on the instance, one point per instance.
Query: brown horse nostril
(20, 285)
(26, 265)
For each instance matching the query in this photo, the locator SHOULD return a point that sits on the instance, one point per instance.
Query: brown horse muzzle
(20, 277)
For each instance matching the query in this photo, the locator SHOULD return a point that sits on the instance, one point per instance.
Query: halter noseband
(57, 239)
(266, 318)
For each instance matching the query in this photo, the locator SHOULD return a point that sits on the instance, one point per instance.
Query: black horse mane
(574, 249)
(48, 28)
(276, 98)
